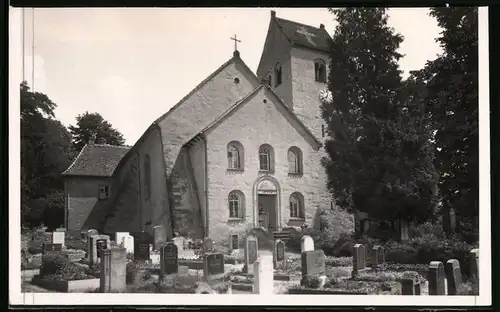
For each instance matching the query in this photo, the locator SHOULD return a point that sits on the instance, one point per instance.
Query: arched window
(236, 205)
(297, 206)
(266, 158)
(294, 160)
(320, 70)
(147, 176)
(277, 74)
(234, 155)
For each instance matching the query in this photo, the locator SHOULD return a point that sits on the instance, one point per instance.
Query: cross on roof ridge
(235, 39)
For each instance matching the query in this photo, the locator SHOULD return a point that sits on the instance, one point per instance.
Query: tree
(90, 124)
(379, 160)
(45, 154)
(452, 96)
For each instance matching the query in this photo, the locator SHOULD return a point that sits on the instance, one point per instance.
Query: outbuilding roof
(97, 160)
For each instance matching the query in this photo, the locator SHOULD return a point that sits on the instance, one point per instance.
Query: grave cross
(308, 36)
(235, 42)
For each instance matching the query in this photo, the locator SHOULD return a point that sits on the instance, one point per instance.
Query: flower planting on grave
(56, 266)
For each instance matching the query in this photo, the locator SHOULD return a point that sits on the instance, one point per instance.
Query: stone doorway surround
(266, 185)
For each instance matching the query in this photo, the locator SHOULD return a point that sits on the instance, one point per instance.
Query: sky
(131, 65)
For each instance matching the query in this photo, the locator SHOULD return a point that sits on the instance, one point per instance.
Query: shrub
(71, 271)
(332, 281)
(399, 253)
(94, 270)
(310, 281)
(78, 244)
(52, 262)
(36, 246)
(338, 261)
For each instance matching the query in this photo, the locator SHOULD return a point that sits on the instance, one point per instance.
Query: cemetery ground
(68, 261)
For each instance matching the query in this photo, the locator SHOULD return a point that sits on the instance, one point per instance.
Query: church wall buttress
(197, 160)
(187, 215)
(154, 206)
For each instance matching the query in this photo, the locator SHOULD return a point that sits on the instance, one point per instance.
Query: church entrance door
(267, 212)
(267, 204)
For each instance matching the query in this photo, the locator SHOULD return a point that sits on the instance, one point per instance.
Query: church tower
(294, 62)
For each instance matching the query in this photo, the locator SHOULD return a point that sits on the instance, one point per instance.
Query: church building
(241, 151)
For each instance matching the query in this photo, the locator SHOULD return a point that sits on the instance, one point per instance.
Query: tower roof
(305, 35)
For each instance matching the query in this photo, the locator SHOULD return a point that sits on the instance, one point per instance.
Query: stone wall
(83, 204)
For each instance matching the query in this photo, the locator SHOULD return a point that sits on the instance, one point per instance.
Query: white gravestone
(58, 238)
(119, 237)
(263, 274)
(306, 243)
(128, 243)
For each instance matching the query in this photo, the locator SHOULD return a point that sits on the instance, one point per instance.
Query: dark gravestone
(141, 251)
(410, 284)
(313, 262)
(47, 248)
(436, 279)
(101, 244)
(142, 243)
(213, 265)
(169, 259)
(279, 252)
(453, 276)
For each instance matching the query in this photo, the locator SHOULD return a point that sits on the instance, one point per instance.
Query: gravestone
(251, 253)
(48, 248)
(97, 244)
(58, 238)
(306, 243)
(208, 245)
(169, 259)
(92, 232)
(234, 240)
(113, 270)
(410, 284)
(128, 243)
(160, 236)
(119, 236)
(474, 265)
(142, 246)
(279, 252)
(358, 260)
(436, 279)
(453, 276)
(263, 274)
(213, 266)
(313, 263)
(377, 256)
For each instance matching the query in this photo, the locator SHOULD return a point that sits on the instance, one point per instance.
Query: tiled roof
(97, 160)
(305, 35)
